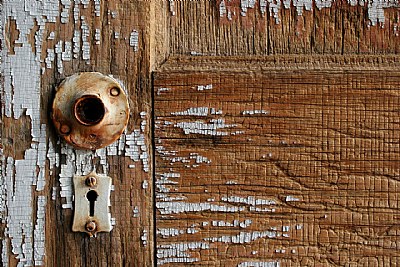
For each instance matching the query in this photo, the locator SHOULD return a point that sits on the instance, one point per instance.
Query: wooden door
(262, 133)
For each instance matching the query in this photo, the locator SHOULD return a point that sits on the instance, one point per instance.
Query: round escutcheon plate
(90, 110)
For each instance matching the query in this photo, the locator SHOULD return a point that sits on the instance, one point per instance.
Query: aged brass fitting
(91, 181)
(90, 226)
(90, 110)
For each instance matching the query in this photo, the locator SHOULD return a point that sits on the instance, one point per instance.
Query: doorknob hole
(89, 110)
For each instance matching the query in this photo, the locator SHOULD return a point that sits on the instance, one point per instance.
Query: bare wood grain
(300, 165)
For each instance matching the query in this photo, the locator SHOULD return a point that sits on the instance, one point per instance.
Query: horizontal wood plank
(260, 27)
(292, 167)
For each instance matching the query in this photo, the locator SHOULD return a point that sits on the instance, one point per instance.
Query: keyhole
(92, 197)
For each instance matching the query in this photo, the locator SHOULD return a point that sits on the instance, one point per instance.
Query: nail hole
(89, 110)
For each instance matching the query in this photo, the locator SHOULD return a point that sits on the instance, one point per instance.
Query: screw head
(90, 226)
(114, 91)
(64, 129)
(91, 181)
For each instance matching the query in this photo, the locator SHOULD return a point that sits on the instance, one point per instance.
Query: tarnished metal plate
(97, 218)
(90, 110)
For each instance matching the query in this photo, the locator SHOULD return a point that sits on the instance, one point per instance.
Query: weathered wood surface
(263, 27)
(199, 200)
(43, 42)
(290, 161)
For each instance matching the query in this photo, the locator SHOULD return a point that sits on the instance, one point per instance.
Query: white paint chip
(144, 237)
(291, 199)
(172, 7)
(222, 8)
(134, 40)
(204, 87)
(212, 128)
(255, 112)
(375, 8)
(243, 237)
(170, 207)
(169, 232)
(179, 252)
(259, 264)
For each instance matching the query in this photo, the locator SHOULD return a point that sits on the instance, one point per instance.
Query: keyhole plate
(100, 219)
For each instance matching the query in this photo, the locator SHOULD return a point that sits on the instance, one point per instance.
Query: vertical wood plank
(42, 43)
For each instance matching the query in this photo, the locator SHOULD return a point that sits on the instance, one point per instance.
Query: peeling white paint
(172, 7)
(259, 264)
(134, 40)
(194, 160)
(136, 148)
(169, 232)
(291, 199)
(67, 53)
(376, 13)
(77, 162)
(179, 252)
(204, 87)
(39, 232)
(66, 5)
(50, 58)
(114, 14)
(85, 34)
(97, 8)
(3, 189)
(255, 112)
(245, 4)
(168, 207)
(198, 111)
(136, 212)
(243, 237)
(54, 193)
(145, 184)
(162, 89)
(192, 230)
(97, 36)
(21, 72)
(76, 40)
(144, 237)
(222, 8)
(52, 36)
(250, 200)
(59, 50)
(236, 223)
(4, 253)
(211, 128)
(22, 76)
